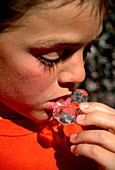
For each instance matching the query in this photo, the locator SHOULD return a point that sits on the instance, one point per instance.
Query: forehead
(67, 19)
(67, 23)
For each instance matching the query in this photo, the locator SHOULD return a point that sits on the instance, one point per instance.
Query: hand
(98, 144)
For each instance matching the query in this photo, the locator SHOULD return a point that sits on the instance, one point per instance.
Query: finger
(88, 107)
(98, 118)
(97, 153)
(99, 137)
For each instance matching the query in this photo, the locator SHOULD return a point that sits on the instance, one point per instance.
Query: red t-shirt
(25, 145)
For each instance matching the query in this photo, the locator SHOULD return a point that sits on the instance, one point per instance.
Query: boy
(43, 45)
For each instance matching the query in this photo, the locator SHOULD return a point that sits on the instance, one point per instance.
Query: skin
(98, 145)
(27, 86)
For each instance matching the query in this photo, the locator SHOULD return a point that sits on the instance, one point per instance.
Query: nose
(72, 71)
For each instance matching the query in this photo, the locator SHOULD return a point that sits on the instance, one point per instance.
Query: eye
(53, 58)
(50, 58)
(48, 63)
(86, 51)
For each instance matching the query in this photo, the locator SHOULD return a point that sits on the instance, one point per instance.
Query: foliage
(100, 65)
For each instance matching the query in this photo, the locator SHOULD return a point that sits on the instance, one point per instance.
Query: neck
(7, 113)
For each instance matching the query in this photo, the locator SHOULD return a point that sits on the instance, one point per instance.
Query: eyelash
(48, 63)
(66, 53)
(52, 63)
(86, 51)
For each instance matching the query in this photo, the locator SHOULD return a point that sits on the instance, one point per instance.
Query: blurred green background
(100, 64)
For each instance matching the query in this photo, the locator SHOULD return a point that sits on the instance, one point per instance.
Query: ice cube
(67, 114)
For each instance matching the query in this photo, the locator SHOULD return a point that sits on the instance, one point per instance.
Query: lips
(62, 101)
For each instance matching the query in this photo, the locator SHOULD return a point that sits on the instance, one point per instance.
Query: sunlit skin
(28, 86)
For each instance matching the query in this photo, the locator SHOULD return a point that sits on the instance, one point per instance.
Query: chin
(42, 116)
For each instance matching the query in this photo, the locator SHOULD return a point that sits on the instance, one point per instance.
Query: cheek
(36, 79)
(26, 93)
(24, 81)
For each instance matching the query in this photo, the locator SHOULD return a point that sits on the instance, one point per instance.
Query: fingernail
(72, 148)
(73, 136)
(80, 117)
(84, 105)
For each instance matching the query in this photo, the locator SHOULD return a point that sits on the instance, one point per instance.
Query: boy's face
(30, 82)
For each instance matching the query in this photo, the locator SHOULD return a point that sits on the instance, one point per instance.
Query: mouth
(61, 101)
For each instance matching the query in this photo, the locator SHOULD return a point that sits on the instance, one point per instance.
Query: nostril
(70, 86)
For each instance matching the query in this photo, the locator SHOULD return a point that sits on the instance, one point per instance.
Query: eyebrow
(55, 42)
